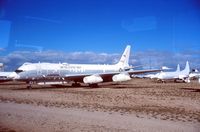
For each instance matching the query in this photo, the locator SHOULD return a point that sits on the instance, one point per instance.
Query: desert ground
(139, 105)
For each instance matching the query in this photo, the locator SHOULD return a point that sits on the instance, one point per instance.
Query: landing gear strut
(187, 80)
(30, 85)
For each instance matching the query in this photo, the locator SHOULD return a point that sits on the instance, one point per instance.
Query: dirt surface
(136, 105)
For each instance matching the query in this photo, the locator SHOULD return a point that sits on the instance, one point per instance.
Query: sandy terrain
(137, 105)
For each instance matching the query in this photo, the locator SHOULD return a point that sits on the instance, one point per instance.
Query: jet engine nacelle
(92, 79)
(121, 77)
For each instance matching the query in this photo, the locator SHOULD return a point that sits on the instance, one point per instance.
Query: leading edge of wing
(143, 71)
(107, 76)
(79, 77)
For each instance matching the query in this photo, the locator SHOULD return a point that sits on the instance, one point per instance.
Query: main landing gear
(30, 84)
(94, 85)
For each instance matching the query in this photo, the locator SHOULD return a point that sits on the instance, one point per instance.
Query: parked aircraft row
(185, 75)
(155, 76)
(176, 75)
(91, 74)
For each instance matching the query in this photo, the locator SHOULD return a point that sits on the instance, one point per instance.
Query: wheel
(29, 87)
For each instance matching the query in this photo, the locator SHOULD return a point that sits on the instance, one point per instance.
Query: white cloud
(15, 59)
(2, 49)
(158, 58)
(153, 59)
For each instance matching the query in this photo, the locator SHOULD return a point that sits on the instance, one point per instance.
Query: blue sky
(100, 25)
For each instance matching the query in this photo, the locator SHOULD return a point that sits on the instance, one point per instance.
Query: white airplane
(195, 74)
(155, 76)
(91, 74)
(7, 76)
(165, 68)
(177, 75)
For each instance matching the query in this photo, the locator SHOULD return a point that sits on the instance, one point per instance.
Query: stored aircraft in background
(7, 76)
(155, 76)
(177, 75)
(195, 75)
(91, 74)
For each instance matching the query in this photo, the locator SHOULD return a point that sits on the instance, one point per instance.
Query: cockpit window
(18, 71)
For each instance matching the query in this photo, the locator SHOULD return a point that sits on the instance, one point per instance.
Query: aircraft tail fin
(178, 68)
(187, 68)
(124, 61)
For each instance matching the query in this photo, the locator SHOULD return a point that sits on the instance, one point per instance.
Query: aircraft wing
(107, 77)
(143, 71)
